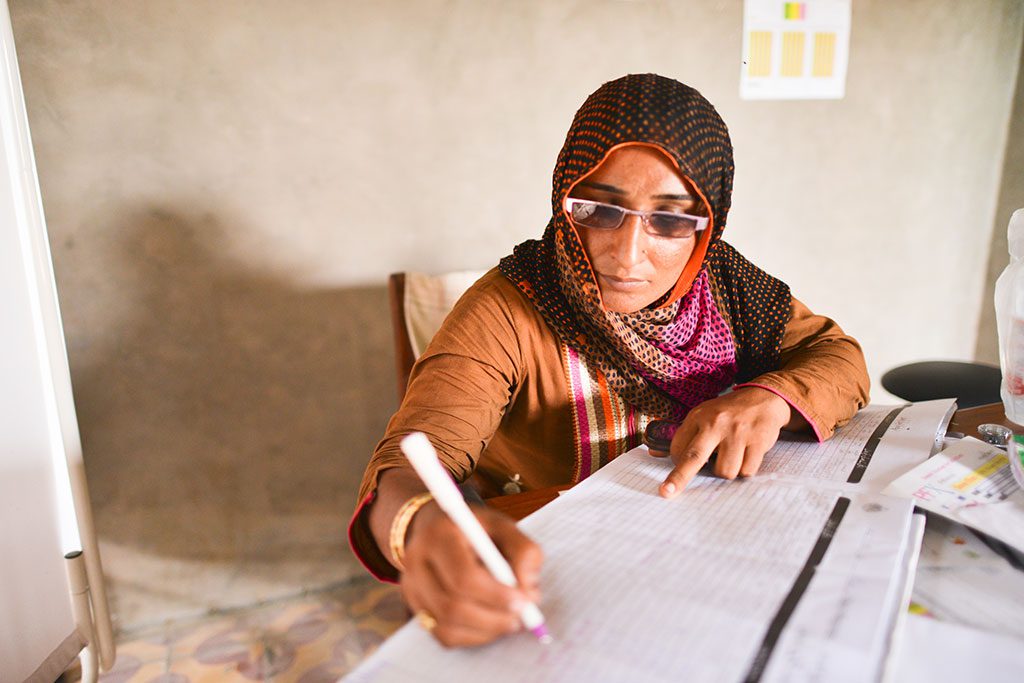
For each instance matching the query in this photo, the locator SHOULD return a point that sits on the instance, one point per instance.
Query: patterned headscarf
(646, 355)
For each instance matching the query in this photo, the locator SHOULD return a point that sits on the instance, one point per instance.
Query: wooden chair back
(404, 356)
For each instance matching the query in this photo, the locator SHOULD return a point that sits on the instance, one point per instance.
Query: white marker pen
(421, 454)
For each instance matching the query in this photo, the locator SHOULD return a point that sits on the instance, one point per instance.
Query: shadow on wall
(231, 414)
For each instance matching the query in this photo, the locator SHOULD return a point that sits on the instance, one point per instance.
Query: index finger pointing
(688, 464)
(680, 476)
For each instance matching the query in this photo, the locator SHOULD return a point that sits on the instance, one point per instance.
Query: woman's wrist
(400, 527)
(795, 420)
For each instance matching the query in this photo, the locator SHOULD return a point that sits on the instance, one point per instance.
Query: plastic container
(1016, 454)
(1010, 321)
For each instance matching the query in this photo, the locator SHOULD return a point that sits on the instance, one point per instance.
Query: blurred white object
(52, 597)
(1009, 302)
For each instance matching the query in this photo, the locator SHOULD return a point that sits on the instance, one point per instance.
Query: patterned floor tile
(315, 638)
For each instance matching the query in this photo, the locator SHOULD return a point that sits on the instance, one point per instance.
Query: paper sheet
(969, 482)
(895, 629)
(878, 444)
(935, 651)
(960, 579)
(833, 460)
(796, 574)
(770, 577)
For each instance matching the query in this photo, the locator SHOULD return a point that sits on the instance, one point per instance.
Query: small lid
(995, 433)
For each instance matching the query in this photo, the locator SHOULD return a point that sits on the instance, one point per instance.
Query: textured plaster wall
(227, 185)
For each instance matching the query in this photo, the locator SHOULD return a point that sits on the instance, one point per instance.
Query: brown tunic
(491, 393)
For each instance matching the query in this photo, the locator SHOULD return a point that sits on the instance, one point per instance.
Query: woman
(629, 308)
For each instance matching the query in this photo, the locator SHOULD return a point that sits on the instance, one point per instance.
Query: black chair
(972, 384)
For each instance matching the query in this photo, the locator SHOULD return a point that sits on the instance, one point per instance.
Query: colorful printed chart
(795, 50)
(971, 483)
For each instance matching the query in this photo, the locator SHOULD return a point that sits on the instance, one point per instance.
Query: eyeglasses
(601, 216)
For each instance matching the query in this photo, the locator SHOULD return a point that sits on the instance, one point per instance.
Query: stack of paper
(796, 575)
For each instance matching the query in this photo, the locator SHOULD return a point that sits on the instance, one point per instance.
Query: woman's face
(633, 268)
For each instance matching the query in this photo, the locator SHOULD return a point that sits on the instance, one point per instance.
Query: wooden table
(965, 421)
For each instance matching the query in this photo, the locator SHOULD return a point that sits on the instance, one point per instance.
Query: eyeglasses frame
(645, 217)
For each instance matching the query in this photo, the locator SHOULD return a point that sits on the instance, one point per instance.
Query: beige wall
(228, 183)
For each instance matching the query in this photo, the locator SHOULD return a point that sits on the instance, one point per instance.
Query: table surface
(965, 421)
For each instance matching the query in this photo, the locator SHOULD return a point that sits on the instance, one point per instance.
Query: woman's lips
(622, 284)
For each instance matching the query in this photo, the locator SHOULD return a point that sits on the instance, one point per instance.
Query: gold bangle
(400, 526)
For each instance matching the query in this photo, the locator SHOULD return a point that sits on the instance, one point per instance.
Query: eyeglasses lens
(599, 216)
(671, 225)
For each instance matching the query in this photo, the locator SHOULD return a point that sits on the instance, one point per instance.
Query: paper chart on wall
(795, 50)
(771, 578)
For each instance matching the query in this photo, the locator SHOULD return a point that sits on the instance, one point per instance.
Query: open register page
(791, 576)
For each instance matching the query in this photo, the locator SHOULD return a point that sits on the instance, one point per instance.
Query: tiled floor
(151, 587)
(314, 638)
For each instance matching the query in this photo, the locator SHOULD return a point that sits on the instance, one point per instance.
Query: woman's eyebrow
(602, 186)
(618, 190)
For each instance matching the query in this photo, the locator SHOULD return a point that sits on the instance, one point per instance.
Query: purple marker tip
(542, 634)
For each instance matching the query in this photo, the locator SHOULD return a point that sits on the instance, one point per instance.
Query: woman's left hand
(741, 426)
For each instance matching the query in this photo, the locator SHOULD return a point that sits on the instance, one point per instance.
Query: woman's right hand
(444, 577)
